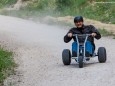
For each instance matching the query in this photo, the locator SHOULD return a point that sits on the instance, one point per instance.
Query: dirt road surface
(38, 49)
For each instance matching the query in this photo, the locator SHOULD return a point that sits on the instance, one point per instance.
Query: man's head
(78, 20)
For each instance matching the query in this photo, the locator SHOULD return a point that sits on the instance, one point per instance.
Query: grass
(6, 3)
(101, 12)
(7, 65)
(104, 12)
(104, 32)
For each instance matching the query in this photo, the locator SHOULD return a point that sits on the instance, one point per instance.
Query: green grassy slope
(6, 65)
(104, 12)
(4, 3)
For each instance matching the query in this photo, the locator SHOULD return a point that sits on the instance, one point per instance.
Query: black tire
(102, 55)
(80, 59)
(66, 57)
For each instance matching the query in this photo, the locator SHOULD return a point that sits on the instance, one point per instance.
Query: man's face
(79, 24)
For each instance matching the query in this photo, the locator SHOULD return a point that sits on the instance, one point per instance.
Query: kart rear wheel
(80, 59)
(102, 55)
(66, 57)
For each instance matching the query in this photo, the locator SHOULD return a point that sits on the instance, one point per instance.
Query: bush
(7, 2)
(103, 12)
(69, 4)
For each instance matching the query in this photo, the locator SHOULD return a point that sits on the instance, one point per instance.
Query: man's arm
(94, 30)
(68, 36)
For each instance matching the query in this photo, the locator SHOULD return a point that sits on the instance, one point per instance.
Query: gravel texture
(38, 48)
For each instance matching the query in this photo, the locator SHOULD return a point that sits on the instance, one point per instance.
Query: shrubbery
(104, 12)
(7, 2)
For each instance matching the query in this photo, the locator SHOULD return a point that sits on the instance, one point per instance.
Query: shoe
(74, 54)
(87, 58)
(76, 60)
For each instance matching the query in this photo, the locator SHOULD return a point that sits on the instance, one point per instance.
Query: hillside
(101, 10)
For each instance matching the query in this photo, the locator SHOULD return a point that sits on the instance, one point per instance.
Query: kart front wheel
(66, 57)
(80, 59)
(102, 55)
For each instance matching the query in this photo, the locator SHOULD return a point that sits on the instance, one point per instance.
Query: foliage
(7, 2)
(104, 32)
(104, 12)
(6, 64)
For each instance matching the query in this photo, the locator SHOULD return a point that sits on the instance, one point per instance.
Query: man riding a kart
(82, 29)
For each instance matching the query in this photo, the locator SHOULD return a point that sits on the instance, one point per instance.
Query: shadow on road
(76, 65)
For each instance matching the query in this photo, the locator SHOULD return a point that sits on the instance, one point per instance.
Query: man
(82, 29)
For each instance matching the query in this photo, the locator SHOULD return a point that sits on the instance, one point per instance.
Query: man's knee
(89, 47)
(74, 49)
(74, 44)
(88, 43)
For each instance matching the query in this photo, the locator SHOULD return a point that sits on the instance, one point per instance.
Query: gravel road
(38, 49)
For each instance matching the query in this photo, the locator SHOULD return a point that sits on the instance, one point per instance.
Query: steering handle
(82, 34)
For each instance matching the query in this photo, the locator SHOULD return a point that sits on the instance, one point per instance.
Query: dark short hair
(78, 19)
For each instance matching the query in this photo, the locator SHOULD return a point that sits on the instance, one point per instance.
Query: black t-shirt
(81, 30)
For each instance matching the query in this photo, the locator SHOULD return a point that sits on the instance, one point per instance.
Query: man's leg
(74, 49)
(89, 48)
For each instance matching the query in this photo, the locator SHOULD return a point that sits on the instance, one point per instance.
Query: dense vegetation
(7, 2)
(6, 65)
(104, 12)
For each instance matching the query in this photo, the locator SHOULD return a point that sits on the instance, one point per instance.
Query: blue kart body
(81, 57)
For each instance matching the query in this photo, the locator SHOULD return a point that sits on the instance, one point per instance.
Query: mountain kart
(81, 57)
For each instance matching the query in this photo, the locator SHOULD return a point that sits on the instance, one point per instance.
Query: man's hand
(93, 34)
(70, 35)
